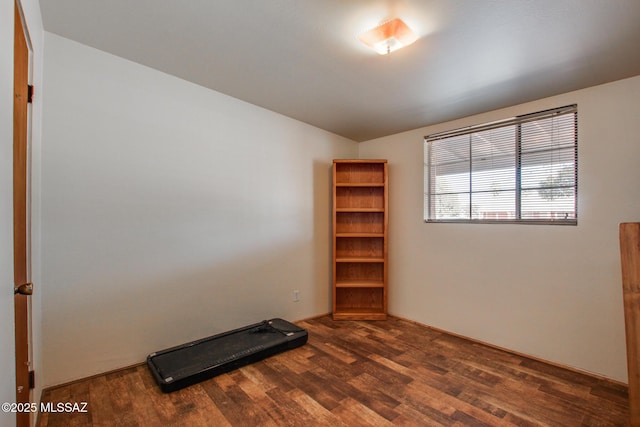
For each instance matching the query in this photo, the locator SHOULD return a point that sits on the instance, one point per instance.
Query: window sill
(506, 221)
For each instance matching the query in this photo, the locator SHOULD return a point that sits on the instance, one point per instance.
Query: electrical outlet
(296, 295)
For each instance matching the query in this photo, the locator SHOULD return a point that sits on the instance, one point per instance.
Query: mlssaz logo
(63, 407)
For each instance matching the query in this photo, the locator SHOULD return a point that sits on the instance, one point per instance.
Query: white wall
(549, 291)
(170, 212)
(7, 342)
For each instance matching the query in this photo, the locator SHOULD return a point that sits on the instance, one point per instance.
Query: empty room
(420, 202)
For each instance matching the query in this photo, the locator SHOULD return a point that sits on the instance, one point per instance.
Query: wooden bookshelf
(360, 226)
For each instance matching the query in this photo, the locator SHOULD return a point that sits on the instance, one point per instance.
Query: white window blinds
(523, 169)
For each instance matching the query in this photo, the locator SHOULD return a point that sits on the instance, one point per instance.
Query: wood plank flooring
(357, 373)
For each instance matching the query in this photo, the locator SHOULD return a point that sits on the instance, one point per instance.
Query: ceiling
(302, 58)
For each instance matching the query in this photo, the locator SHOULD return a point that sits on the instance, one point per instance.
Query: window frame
(517, 121)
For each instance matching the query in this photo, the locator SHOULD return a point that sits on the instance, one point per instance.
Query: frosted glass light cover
(388, 36)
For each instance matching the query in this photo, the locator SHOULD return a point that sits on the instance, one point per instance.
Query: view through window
(523, 169)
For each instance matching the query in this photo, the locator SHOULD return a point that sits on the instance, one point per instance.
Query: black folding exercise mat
(190, 363)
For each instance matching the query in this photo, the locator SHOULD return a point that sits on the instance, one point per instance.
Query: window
(522, 170)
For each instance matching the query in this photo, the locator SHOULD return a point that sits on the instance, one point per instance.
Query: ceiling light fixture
(388, 36)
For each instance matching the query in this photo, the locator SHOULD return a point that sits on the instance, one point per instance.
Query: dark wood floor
(356, 373)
